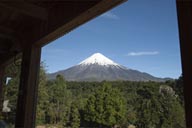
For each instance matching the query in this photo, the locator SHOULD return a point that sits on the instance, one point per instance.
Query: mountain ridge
(98, 68)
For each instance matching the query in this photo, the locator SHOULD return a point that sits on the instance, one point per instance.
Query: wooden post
(1, 88)
(28, 89)
(184, 11)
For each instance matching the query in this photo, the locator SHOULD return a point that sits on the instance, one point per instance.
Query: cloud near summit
(146, 53)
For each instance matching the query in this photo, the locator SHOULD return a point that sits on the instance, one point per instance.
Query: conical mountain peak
(99, 59)
(97, 67)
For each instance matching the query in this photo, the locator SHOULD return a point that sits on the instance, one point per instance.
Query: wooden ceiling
(38, 22)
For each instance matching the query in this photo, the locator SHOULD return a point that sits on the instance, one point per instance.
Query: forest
(106, 104)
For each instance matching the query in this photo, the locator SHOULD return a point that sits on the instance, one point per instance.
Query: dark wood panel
(184, 11)
(26, 8)
(28, 89)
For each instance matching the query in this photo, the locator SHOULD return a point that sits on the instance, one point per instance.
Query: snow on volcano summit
(98, 68)
(99, 59)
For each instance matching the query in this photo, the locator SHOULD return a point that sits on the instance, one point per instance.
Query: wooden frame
(27, 9)
(184, 11)
(28, 89)
(26, 107)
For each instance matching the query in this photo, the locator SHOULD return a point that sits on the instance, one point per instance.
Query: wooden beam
(1, 88)
(27, 9)
(3, 29)
(184, 11)
(10, 58)
(9, 34)
(6, 32)
(10, 37)
(101, 7)
(27, 96)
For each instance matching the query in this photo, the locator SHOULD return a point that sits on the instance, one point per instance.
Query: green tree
(74, 116)
(106, 107)
(179, 89)
(59, 102)
(43, 97)
(11, 91)
(172, 112)
(158, 108)
(148, 108)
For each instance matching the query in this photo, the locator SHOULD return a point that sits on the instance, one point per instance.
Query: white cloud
(110, 15)
(142, 53)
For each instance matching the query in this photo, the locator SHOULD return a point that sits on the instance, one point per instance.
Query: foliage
(106, 106)
(74, 116)
(59, 102)
(155, 109)
(43, 97)
(102, 104)
(11, 91)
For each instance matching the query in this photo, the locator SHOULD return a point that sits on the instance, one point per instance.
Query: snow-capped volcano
(99, 59)
(97, 67)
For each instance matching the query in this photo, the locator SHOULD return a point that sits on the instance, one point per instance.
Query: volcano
(98, 67)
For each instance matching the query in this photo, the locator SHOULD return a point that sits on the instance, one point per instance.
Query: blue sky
(139, 34)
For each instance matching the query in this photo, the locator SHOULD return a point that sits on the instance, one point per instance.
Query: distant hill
(98, 68)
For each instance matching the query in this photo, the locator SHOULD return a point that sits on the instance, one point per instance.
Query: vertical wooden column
(1, 88)
(184, 11)
(27, 96)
